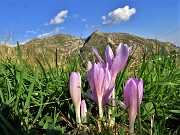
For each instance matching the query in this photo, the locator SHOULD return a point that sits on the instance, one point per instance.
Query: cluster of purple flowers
(101, 77)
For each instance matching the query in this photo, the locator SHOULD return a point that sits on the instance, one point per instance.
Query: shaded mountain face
(99, 40)
(67, 46)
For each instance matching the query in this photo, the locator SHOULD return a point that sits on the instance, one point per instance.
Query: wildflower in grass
(131, 88)
(115, 61)
(101, 83)
(83, 112)
(75, 92)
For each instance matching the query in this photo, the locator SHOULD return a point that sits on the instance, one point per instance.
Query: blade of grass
(40, 108)
(30, 90)
(20, 84)
(2, 119)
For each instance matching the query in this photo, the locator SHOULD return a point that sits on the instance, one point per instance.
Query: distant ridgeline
(61, 47)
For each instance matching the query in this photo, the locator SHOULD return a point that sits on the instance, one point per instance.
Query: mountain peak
(97, 31)
(68, 46)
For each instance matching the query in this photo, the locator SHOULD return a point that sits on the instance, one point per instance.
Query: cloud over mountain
(119, 15)
(53, 32)
(59, 18)
(30, 32)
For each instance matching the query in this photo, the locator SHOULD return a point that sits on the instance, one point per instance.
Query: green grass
(36, 100)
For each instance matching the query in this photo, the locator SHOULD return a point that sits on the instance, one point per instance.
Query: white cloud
(59, 18)
(27, 40)
(103, 18)
(119, 15)
(86, 25)
(93, 26)
(75, 16)
(30, 32)
(47, 34)
(83, 19)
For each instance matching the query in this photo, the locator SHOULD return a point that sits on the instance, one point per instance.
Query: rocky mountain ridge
(67, 46)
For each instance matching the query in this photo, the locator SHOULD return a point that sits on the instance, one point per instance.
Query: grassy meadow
(35, 99)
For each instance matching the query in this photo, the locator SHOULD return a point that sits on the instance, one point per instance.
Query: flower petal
(98, 80)
(89, 66)
(90, 95)
(97, 55)
(75, 92)
(119, 102)
(83, 111)
(108, 93)
(75, 87)
(139, 84)
(107, 79)
(121, 48)
(135, 80)
(109, 56)
(140, 89)
(122, 54)
(130, 94)
(90, 78)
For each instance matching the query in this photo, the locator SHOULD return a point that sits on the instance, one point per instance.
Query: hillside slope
(68, 46)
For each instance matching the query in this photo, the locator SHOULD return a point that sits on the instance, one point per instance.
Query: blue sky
(28, 19)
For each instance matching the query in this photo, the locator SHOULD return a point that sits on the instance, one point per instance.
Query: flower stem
(138, 113)
(131, 125)
(111, 110)
(78, 116)
(100, 110)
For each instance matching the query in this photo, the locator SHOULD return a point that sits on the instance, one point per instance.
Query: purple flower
(83, 111)
(102, 84)
(75, 92)
(130, 98)
(117, 61)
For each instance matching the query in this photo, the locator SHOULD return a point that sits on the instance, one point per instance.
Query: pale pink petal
(90, 78)
(101, 65)
(83, 106)
(130, 94)
(139, 84)
(75, 92)
(89, 66)
(108, 92)
(120, 60)
(120, 50)
(98, 80)
(119, 102)
(91, 96)
(135, 80)
(126, 94)
(130, 98)
(75, 87)
(83, 111)
(97, 55)
(109, 55)
(141, 89)
(79, 78)
(107, 79)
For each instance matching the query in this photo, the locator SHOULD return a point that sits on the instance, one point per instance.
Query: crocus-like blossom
(83, 112)
(75, 92)
(115, 61)
(130, 98)
(101, 83)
